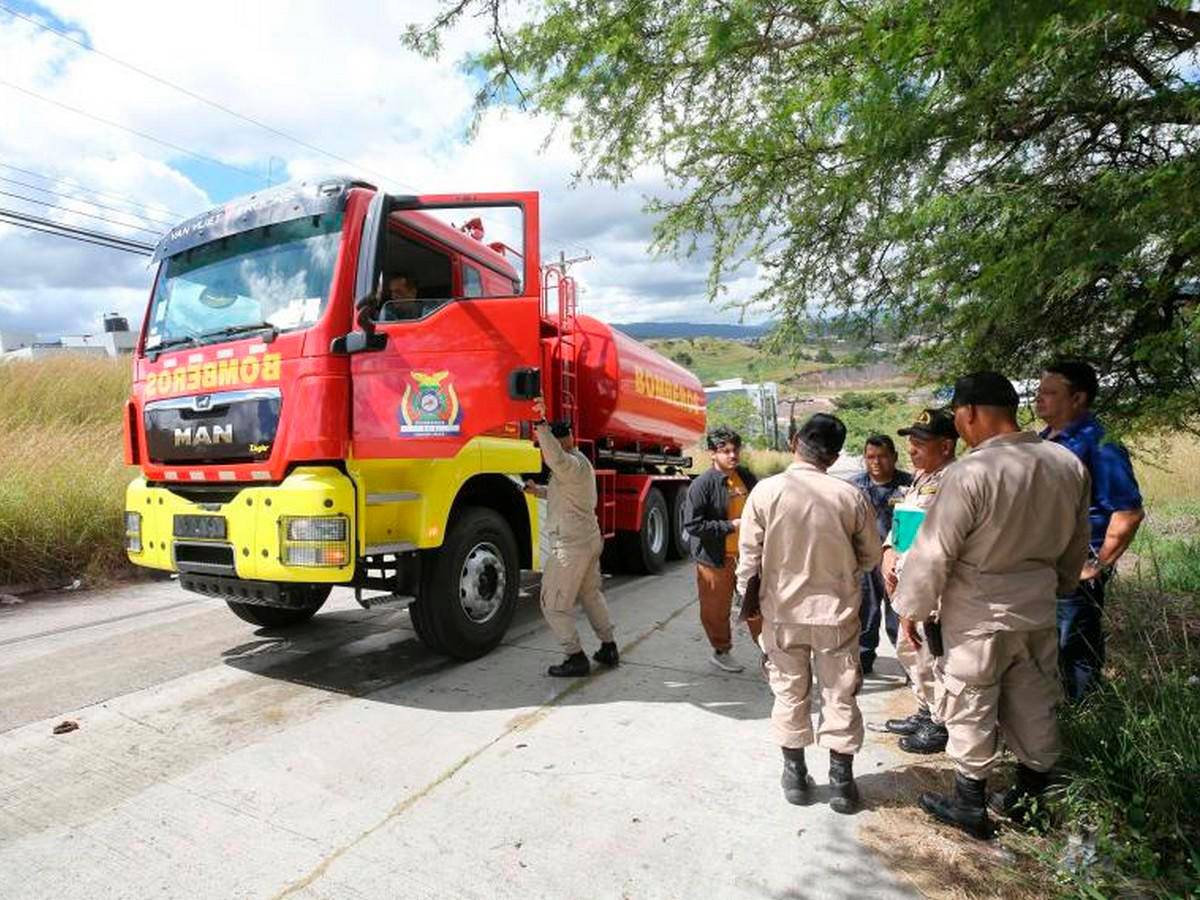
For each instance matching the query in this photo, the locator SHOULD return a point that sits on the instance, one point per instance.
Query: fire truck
(297, 427)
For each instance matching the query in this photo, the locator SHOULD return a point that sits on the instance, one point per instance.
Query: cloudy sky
(121, 152)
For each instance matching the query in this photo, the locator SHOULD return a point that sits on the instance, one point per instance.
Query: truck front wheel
(646, 548)
(469, 594)
(310, 596)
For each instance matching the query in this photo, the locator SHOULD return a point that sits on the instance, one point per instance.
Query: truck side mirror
(358, 342)
(524, 384)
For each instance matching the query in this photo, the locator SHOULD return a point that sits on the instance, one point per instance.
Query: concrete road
(343, 760)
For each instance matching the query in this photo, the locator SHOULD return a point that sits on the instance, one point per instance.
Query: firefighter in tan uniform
(1008, 534)
(806, 537)
(931, 442)
(571, 573)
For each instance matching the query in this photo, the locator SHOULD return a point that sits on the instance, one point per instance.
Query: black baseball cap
(932, 423)
(560, 428)
(823, 433)
(984, 389)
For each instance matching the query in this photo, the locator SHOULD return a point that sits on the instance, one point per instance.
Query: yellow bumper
(253, 524)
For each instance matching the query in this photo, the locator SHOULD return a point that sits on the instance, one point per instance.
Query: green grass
(1131, 758)
(63, 491)
(710, 359)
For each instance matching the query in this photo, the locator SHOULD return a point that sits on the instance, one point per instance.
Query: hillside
(643, 331)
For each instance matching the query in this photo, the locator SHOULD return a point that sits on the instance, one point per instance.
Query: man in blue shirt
(882, 483)
(1064, 399)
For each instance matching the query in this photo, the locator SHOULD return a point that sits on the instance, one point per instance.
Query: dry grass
(1168, 470)
(938, 861)
(63, 490)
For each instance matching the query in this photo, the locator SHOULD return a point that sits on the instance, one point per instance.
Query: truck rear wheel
(677, 547)
(313, 597)
(646, 548)
(469, 595)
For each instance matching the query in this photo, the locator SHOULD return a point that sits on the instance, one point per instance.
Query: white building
(115, 340)
(764, 395)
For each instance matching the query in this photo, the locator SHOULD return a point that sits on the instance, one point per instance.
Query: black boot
(909, 724)
(607, 655)
(573, 666)
(930, 738)
(843, 792)
(1017, 801)
(795, 778)
(967, 809)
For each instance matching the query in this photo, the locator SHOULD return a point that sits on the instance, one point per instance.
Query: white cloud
(333, 76)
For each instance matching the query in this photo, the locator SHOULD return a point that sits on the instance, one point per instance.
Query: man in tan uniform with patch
(807, 537)
(571, 573)
(1008, 534)
(931, 442)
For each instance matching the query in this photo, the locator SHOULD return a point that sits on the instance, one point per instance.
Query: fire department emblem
(429, 407)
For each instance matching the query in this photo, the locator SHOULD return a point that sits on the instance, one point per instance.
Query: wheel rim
(482, 582)
(656, 530)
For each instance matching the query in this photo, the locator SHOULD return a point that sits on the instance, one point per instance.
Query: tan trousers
(793, 652)
(1000, 686)
(715, 587)
(572, 575)
(918, 664)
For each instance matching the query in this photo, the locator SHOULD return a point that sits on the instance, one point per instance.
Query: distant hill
(645, 330)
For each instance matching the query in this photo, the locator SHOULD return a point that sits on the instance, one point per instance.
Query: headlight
(133, 532)
(315, 541)
(325, 528)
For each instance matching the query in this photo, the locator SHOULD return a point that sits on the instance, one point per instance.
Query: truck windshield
(277, 276)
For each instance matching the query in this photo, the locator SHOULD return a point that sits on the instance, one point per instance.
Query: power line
(190, 93)
(149, 137)
(76, 212)
(76, 199)
(111, 196)
(86, 235)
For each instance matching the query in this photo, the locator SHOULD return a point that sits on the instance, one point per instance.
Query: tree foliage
(1000, 182)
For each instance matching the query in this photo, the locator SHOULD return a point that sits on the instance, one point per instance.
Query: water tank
(114, 322)
(631, 397)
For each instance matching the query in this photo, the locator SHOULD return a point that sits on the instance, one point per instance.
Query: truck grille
(233, 426)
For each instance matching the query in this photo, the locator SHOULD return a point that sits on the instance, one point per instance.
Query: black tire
(476, 569)
(677, 546)
(314, 596)
(646, 548)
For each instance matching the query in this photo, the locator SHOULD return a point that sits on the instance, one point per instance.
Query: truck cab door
(453, 363)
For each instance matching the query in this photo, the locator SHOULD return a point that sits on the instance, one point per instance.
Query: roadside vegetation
(62, 490)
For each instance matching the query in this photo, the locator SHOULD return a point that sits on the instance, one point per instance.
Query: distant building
(115, 340)
(764, 395)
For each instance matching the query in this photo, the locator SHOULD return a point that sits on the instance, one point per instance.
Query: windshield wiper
(165, 345)
(210, 337)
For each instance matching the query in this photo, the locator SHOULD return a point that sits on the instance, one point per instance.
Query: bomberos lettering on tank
(664, 389)
(430, 407)
(214, 374)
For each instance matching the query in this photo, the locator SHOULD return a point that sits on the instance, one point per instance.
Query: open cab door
(448, 312)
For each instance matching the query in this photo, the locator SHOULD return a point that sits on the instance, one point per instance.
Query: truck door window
(472, 282)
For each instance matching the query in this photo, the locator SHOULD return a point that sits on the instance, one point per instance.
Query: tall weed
(62, 478)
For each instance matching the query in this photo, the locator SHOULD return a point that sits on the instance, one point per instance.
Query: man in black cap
(931, 443)
(1008, 534)
(571, 571)
(806, 537)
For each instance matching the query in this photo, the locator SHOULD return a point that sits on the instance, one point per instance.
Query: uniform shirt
(883, 497)
(733, 510)
(809, 536)
(1008, 534)
(1114, 487)
(571, 493)
(921, 494)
